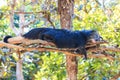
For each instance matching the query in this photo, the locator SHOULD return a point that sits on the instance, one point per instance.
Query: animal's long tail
(13, 40)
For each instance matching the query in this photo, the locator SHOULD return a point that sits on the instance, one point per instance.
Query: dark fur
(6, 38)
(63, 38)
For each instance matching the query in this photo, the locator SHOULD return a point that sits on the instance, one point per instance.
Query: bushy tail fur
(6, 39)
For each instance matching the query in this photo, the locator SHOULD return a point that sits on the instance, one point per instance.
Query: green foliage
(90, 21)
(51, 65)
(95, 69)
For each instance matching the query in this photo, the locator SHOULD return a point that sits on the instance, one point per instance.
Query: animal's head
(92, 36)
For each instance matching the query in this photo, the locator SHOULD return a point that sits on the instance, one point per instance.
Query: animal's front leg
(82, 50)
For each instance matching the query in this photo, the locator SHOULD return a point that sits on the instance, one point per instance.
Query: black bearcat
(63, 38)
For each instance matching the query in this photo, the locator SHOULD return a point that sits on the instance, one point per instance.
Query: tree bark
(66, 9)
(19, 74)
(22, 19)
(12, 17)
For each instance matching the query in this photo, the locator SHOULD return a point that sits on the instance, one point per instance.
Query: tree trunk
(12, 17)
(19, 71)
(66, 9)
(19, 74)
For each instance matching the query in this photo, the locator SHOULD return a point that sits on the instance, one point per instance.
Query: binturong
(62, 38)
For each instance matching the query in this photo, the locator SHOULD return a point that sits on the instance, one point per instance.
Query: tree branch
(28, 23)
(21, 12)
(22, 40)
(46, 15)
(65, 51)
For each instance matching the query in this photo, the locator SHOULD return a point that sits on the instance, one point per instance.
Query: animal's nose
(93, 40)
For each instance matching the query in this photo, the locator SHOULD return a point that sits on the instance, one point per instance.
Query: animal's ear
(93, 32)
(47, 37)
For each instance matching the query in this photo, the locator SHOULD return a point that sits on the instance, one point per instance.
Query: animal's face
(94, 36)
